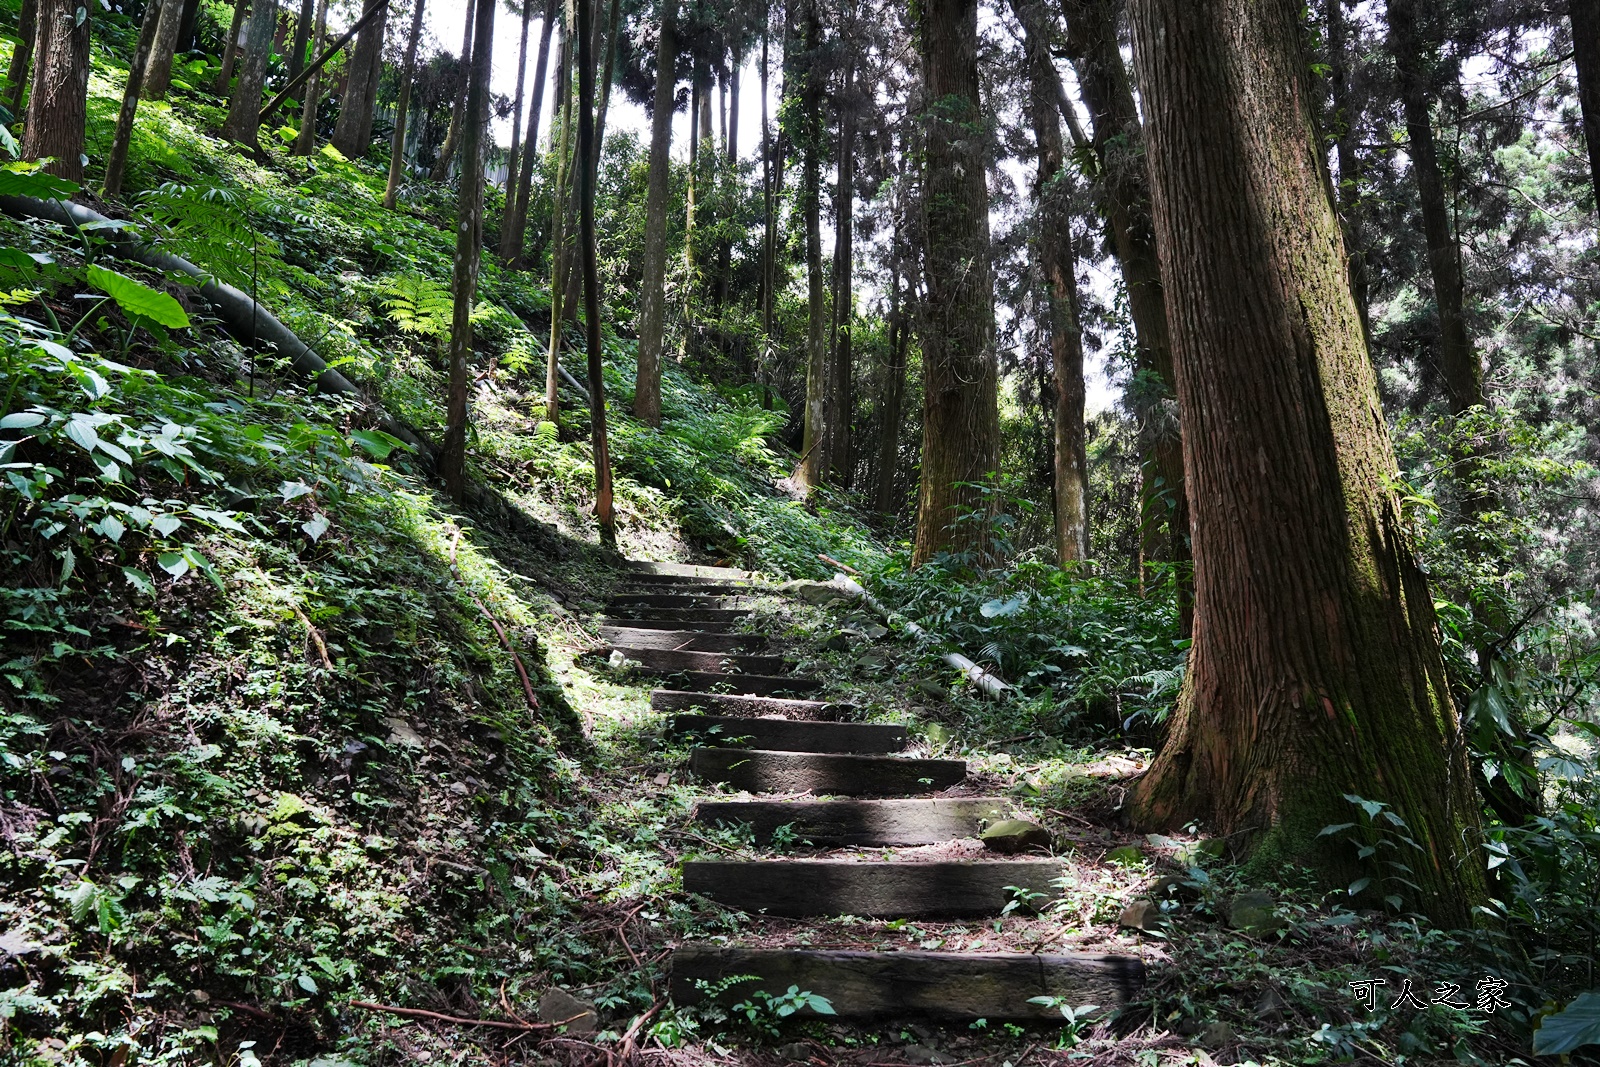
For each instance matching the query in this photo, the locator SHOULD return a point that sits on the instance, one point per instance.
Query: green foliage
(1576, 1025)
(418, 305)
(137, 299)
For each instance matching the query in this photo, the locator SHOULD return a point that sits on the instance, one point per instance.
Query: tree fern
(417, 305)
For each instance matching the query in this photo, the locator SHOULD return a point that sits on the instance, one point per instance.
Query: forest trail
(843, 793)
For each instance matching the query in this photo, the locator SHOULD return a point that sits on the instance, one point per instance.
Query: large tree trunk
(558, 221)
(352, 134)
(158, 71)
(230, 47)
(191, 14)
(408, 73)
(469, 246)
(511, 252)
(653, 300)
(514, 160)
(1060, 271)
(814, 458)
(841, 395)
(1315, 670)
(1459, 365)
(302, 34)
(960, 414)
(769, 220)
(306, 141)
(1586, 54)
(1125, 200)
(588, 151)
(613, 24)
(22, 55)
(447, 151)
(58, 100)
(244, 116)
(117, 161)
(1344, 124)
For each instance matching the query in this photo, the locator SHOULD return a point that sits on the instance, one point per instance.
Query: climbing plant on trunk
(1316, 672)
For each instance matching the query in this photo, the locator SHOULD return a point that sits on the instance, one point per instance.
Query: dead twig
(625, 1047)
(316, 638)
(499, 1024)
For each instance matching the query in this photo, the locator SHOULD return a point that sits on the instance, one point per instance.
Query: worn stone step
(675, 600)
(681, 618)
(876, 889)
(682, 640)
(675, 660)
(788, 735)
(758, 771)
(957, 986)
(917, 821)
(702, 626)
(691, 588)
(738, 704)
(687, 570)
(753, 684)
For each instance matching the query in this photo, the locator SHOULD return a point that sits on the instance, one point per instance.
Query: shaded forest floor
(243, 788)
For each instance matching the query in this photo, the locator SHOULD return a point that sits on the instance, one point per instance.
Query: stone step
(758, 771)
(788, 735)
(754, 684)
(754, 706)
(876, 889)
(675, 600)
(957, 986)
(681, 618)
(687, 570)
(671, 661)
(682, 640)
(919, 821)
(702, 626)
(692, 588)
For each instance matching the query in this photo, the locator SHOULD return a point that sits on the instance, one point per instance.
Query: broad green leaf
(316, 527)
(139, 581)
(82, 434)
(21, 420)
(166, 525)
(290, 490)
(39, 185)
(1576, 1025)
(377, 442)
(137, 298)
(173, 563)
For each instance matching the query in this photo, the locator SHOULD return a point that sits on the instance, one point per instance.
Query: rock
(1271, 1005)
(616, 660)
(794, 1052)
(1015, 835)
(1127, 856)
(1139, 915)
(1171, 887)
(1255, 912)
(1217, 1035)
(401, 733)
(17, 943)
(559, 1006)
(818, 593)
(924, 1054)
(877, 631)
(836, 643)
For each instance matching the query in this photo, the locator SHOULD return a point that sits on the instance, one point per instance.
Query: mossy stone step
(682, 640)
(788, 735)
(955, 986)
(753, 684)
(687, 570)
(738, 704)
(671, 661)
(694, 588)
(682, 618)
(675, 600)
(699, 626)
(912, 889)
(759, 771)
(902, 821)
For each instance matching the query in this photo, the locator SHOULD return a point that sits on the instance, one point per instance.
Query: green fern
(417, 305)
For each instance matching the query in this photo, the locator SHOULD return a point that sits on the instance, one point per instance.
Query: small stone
(17, 943)
(1015, 835)
(662, 779)
(1139, 915)
(1217, 1035)
(559, 1006)
(459, 788)
(1255, 912)
(877, 632)
(1126, 856)
(401, 733)
(794, 1052)
(818, 593)
(616, 659)
(836, 643)
(1271, 1005)
(924, 1054)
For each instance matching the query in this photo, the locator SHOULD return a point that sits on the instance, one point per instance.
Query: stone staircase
(760, 728)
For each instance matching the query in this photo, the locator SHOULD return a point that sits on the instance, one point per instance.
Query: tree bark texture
(841, 398)
(191, 13)
(158, 70)
(117, 161)
(814, 459)
(1058, 266)
(1585, 15)
(960, 414)
(558, 223)
(58, 99)
(447, 151)
(1124, 191)
(22, 55)
(306, 142)
(352, 134)
(887, 495)
(244, 115)
(514, 160)
(1315, 670)
(302, 34)
(230, 47)
(653, 300)
(469, 246)
(588, 149)
(1344, 124)
(397, 141)
(518, 230)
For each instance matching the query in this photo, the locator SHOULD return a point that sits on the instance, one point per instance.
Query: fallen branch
(989, 682)
(830, 561)
(625, 1047)
(419, 1013)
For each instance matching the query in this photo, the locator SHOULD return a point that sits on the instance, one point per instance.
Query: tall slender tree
(514, 159)
(352, 133)
(230, 47)
(1315, 671)
(306, 141)
(469, 247)
(302, 34)
(814, 459)
(588, 150)
(58, 99)
(840, 394)
(117, 161)
(158, 71)
(22, 54)
(653, 299)
(397, 140)
(244, 116)
(516, 232)
(960, 410)
(447, 151)
(559, 240)
(1058, 266)
(1585, 16)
